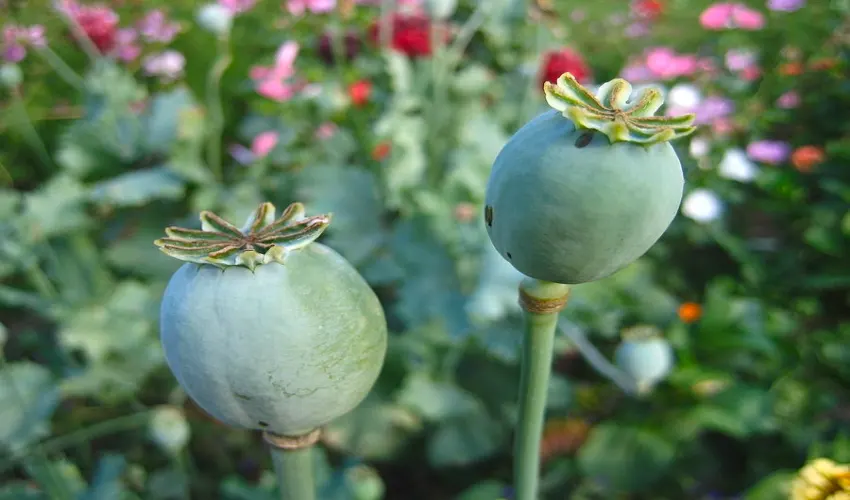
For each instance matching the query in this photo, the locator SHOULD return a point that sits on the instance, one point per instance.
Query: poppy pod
(266, 329)
(586, 188)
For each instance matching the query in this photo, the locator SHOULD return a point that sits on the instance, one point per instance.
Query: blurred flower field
(120, 118)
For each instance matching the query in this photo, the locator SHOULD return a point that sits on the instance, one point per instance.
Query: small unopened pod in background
(265, 328)
(645, 356)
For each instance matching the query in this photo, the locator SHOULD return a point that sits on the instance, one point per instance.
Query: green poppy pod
(588, 187)
(266, 329)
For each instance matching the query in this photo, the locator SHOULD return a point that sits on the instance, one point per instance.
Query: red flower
(98, 22)
(359, 92)
(563, 61)
(648, 9)
(411, 34)
(381, 151)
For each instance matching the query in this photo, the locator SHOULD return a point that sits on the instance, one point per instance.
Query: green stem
(216, 114)
(61, 67)
(294, 471)
(541, 321)
(599, 362)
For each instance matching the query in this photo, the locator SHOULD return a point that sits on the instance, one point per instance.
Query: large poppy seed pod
(588, 187)
(266, 329)
(644, 355)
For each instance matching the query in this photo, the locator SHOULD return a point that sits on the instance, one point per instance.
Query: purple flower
(785, 5)
(740, 59)
(155, 27)
(772, 152)
(126, 48)
(713, 107)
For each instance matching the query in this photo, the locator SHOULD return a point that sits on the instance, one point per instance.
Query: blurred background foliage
(119, 119)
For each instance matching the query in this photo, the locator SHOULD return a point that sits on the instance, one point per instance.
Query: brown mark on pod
(488, 215)
(584, 139)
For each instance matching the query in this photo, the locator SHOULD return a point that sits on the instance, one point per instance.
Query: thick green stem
(541, 301)
(293, 465)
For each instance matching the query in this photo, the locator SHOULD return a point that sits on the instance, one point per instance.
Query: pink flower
(126, 48)
(155, 27)
(637, 73)
(17, 38)
(237, 6)
(727, 15)
(788, 100)
(98, 22)
(263, 144)
(167, 65)
(767, 151)
(667, 64)
(274, 82)
(298, 7)
(326, 130)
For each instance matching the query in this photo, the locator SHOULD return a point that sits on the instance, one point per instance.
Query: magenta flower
(155, 27)
(713, 108)
(637, 72)
(767, 151)
(168, 65)
(788, 100)
(237, 6)
(264, 143)
(298, 7)
(727, 15)
(16, 39)
(275, 82)
(786, 5)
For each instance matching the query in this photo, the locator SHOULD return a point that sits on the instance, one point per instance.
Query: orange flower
(381, 151)
(359, 92)
(689, 312)
(806, 158)
(791, 69)
(563, 436)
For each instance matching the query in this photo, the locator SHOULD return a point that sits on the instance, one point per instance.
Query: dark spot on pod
(584, 139)
(263, 424)
(488, 215)
(509, 255)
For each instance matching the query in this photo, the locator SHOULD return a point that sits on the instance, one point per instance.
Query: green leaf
(166, 484)
(434, 400)
(772, 487)
(161, 119)
(465, 439)
(107, 482)
(54, 209)
(375, 430)
(352, 195)
(28, 397)
(485, 490)
(623, 458)
(739, 411)
(139, 187)
(21, 490)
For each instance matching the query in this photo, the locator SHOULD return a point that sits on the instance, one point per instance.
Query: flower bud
(215, 18)
(169, 429)
(10, 75)
(644, 355)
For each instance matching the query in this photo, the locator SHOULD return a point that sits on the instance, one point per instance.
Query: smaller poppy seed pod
(266, 329)
(586, 188)
(644, 355)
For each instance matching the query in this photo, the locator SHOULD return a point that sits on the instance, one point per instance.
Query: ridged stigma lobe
(261, 240)
(611, 111)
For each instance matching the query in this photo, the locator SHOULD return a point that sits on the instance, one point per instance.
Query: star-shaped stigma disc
(611, 112)
(263, 239)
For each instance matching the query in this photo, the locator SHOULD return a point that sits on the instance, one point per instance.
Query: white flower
(215, 18)
(684, 95)
(168, 429)
(699, 147)
(702, 205)
(736, 166)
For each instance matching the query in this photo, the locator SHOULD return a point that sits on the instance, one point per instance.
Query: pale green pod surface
(285, 346)
(648, 361)
(575, 195)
